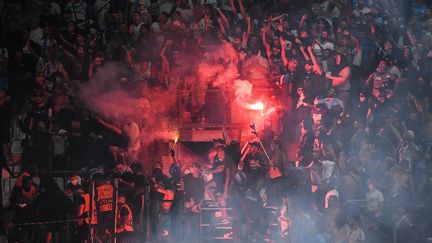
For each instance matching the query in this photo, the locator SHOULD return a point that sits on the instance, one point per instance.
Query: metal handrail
(216, 116)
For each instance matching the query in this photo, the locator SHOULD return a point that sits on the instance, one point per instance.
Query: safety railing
(211, 108)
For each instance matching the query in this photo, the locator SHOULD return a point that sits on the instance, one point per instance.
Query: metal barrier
(210, 107)
(203, 106)
(209, 230)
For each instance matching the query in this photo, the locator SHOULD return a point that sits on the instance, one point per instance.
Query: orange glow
(176, 136)
(259, 106)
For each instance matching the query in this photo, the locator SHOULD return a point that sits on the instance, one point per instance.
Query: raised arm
(264, 31)
(223, 18)
(65, 51)
(242, 9)
(165, 63)
(417, 104)
(223, 21)
(305, 55)
(369, 80)
(233, 8)
(110, 126)
(283, 51)
(394, 131)
(356, 41)
(317, 66)
(90, 70)
(342, 77)
(226, 136)
(248, 32)
(303, 19)
(411, 37)
(65, 41)
(64, 72)
(172, 153)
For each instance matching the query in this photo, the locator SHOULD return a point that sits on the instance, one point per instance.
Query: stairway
(212, 229)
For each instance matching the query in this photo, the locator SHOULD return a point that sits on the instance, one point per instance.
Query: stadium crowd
(352, 80)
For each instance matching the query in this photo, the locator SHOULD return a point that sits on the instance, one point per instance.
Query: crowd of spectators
(355, 76)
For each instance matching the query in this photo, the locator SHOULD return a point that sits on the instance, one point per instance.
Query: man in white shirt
(374, 200)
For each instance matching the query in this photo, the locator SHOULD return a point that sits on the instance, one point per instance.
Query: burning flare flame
(176, 136)
(259, 106)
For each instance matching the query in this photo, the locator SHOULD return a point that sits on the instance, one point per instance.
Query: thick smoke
(122, 103)
(156, 109)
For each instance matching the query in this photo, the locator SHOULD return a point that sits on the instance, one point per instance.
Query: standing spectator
(255, 168)
(340, 75)
(374, 201)
(124, 221)
(6, 114)
(135, 26)
(102, 8)
(78, 8)
(41, 112)
(382, 82)
(194, 195)
(305, 149)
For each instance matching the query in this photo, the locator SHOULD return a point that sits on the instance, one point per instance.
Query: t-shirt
(314, 85)
(275, 191)
(194, 187)
(319, 49)
(373, 199)
(306, 144)
(254, 166)
(40, 114)
(219, 177)
(381, 84)
(291, 78)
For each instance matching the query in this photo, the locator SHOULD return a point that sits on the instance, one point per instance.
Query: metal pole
(259, 140)
(115, 196)
(141, 215)
(200, 228)
(92, 184)
(265, 151)
(147, 213)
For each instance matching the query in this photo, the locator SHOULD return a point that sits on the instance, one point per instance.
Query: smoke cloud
(155, 109)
